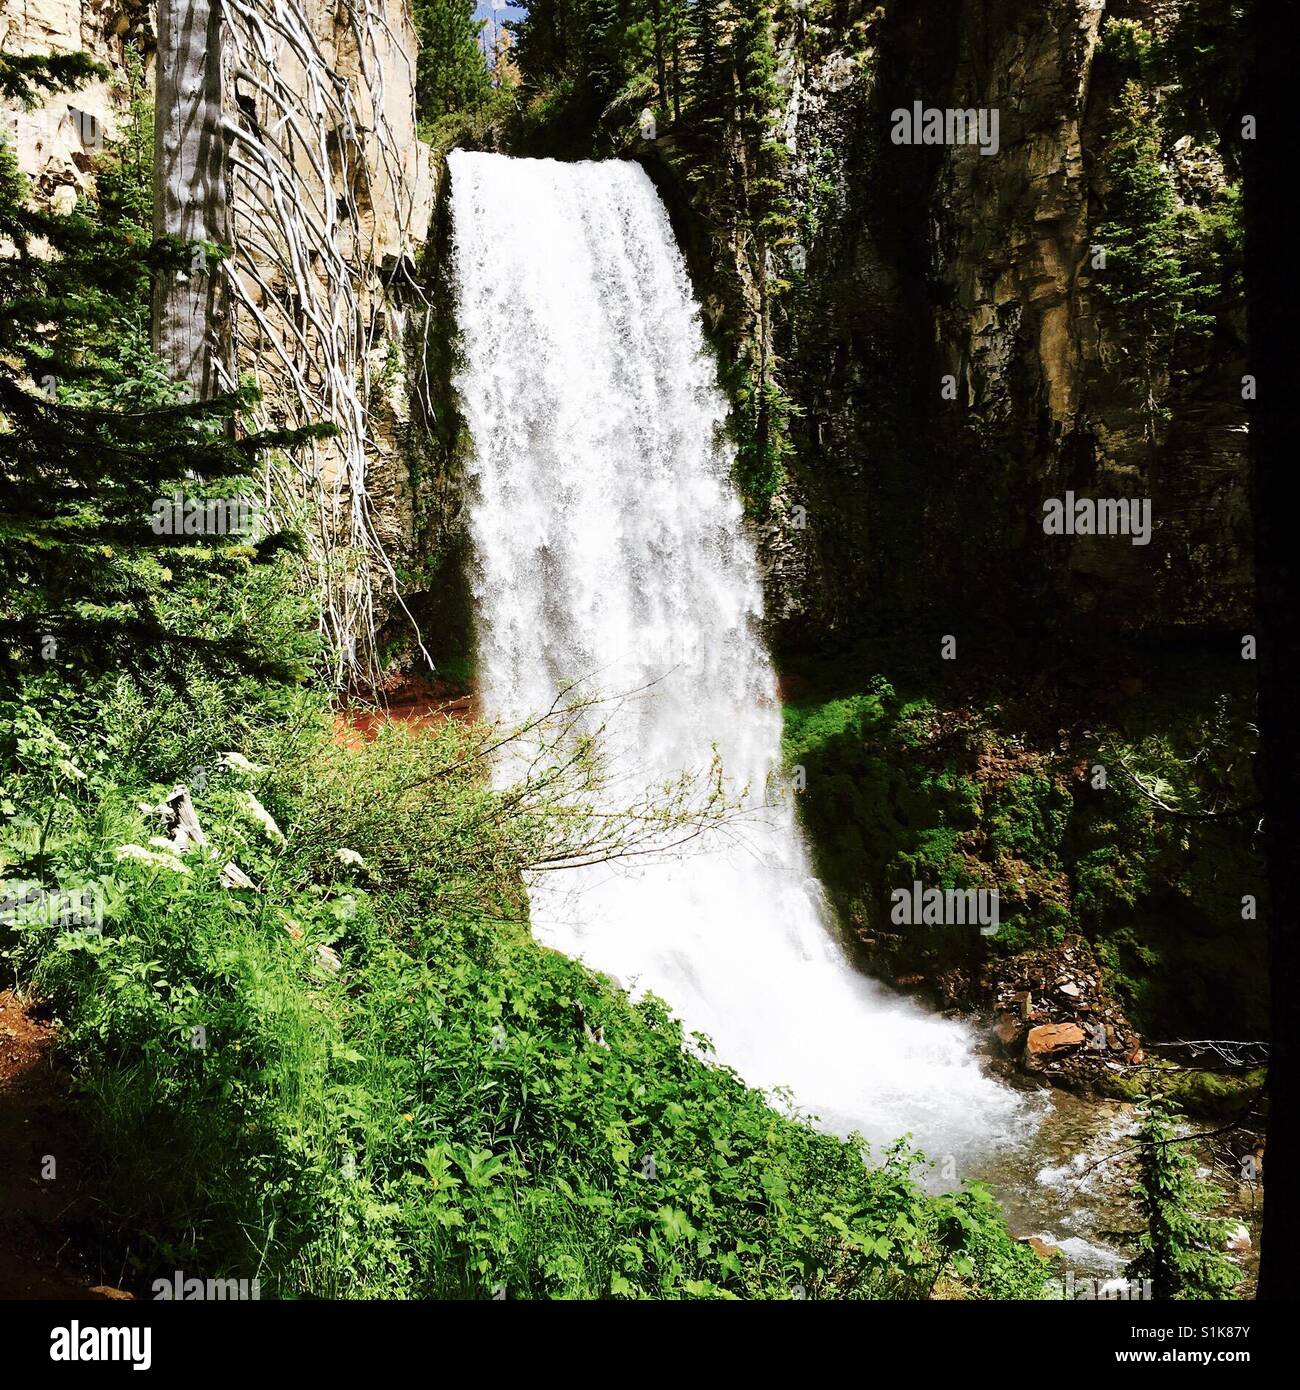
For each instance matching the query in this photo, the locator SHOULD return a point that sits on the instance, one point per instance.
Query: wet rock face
(1053, 1013)
(953, 361)
(1026, 333)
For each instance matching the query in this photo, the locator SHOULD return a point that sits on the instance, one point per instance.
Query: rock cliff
(950, 359)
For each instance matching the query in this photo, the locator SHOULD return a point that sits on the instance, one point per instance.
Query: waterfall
(609, 544)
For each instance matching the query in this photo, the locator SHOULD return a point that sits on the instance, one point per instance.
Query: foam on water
(609, 543)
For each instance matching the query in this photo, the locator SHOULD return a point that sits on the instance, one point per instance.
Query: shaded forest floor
(39, 1218)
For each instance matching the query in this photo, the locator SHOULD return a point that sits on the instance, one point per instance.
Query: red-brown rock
(1051, 1037)
(1008, 1031)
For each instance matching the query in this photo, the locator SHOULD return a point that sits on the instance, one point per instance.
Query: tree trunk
(661, 72)
(191, 306)
(677, 68)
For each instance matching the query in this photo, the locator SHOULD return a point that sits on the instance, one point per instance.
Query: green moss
(955, 789)
(1029, 817)
(1202, 1095)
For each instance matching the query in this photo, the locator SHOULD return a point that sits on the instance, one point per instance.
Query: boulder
(1042, 1247)
(1008, 1031)
(1050, 1038)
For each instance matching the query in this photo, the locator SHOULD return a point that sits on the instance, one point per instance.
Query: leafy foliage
(457, 1112)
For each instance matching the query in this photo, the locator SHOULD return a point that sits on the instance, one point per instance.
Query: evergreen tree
(676, 39)
(451, 73)
(752, 57)
(94, 435)
(1152, 292)
(543, 39)
(604, 24)
(708, 87)
(592, 49)
(661, 38)
(1181, 1248)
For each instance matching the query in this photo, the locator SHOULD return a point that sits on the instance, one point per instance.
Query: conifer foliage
(1181, 1248)
(451, 68)
(93, 434)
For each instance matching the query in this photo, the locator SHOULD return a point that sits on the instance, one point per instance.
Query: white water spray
(609, 543)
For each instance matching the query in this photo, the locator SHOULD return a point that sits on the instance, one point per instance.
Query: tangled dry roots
(321, 305)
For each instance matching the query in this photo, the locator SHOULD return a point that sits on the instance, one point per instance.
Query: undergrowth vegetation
(1153, 859)
(361, 1076)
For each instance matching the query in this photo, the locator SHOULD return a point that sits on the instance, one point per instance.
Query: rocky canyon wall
(323, 325)
(947, 345)
(950, 359)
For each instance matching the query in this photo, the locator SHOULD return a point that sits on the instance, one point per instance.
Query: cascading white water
(609, 543)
